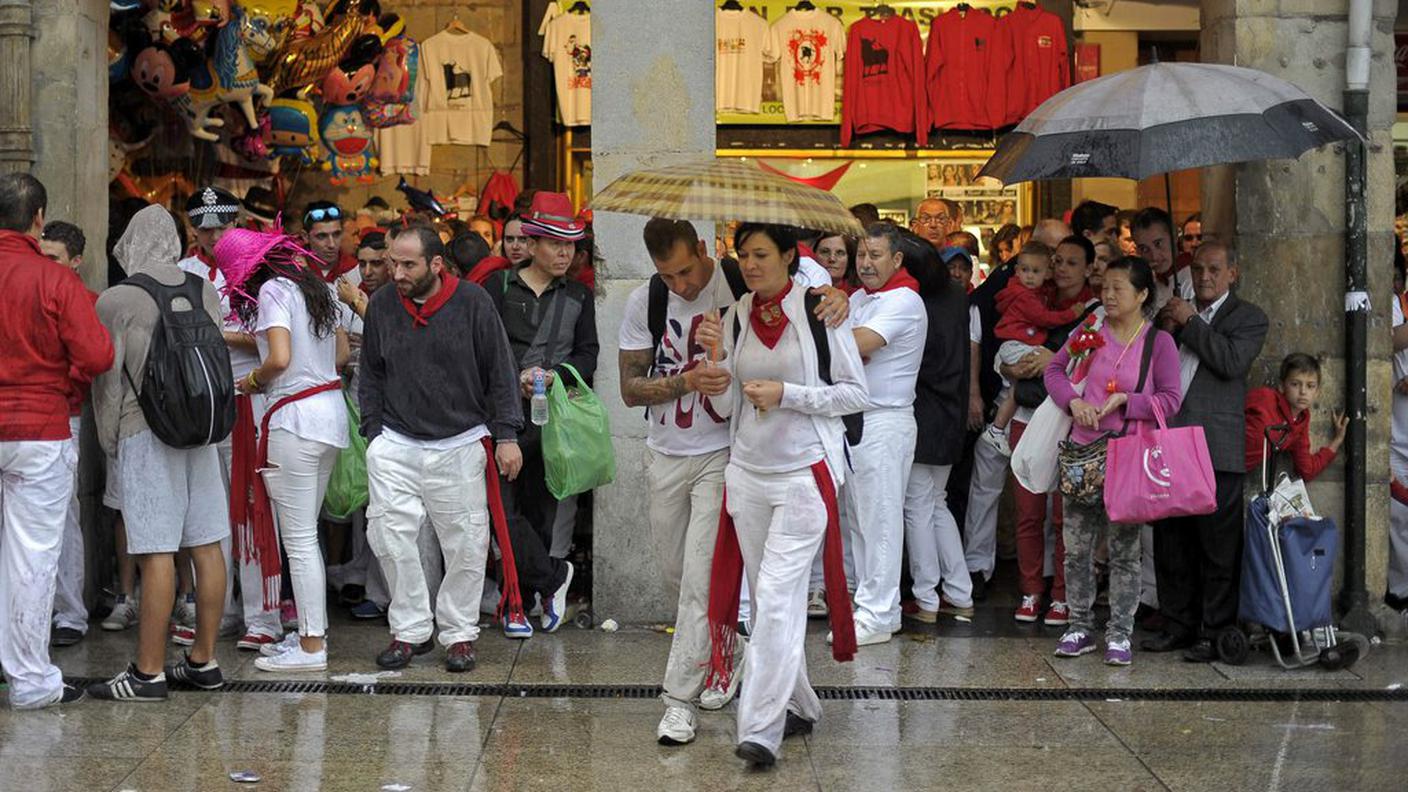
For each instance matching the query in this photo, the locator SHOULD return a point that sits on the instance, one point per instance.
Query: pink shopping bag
(1160, 473)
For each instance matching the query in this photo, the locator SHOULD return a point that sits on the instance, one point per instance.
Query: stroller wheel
(1233, 646)
(1339, 656)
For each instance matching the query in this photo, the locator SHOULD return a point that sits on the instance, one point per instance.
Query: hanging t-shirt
(742, 43)
(1040, 64)
(968, 57)
(568, 45)
(899, 317)
(459, 70)
(884, 80)
(553, 11)
(312, 361)
(810, 46)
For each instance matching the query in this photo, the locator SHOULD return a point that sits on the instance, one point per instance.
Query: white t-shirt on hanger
(742, 43)
(459, 70)
(568, 45)
(809, 46)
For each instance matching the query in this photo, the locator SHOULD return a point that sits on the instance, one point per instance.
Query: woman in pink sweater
(1115, 394)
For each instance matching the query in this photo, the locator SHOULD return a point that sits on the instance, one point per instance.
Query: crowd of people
(830, 422)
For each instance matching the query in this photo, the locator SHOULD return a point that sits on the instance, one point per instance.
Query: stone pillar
(652, 104)
(1288, 220)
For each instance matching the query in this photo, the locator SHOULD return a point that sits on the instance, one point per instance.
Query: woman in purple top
(1112, 397)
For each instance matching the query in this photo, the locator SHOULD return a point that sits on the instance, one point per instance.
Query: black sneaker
(352, 594)
(460, 658)
(64, 636)
(127, 687)
(980, 587)
(184, 673)
(71, 694)
(755, 755)
(398, 655)
(796, 726)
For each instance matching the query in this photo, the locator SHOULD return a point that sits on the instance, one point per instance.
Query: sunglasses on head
(319, 215)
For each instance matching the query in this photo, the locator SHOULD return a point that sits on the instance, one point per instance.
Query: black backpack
(188, 391)
(657, 306)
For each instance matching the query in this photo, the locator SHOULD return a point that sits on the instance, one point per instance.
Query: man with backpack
(669, 332)
(161, 410)
(50, 342)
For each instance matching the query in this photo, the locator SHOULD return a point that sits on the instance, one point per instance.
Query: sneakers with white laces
(124, 614)
(295, 658)
(716, 697)
(676, 727)
(286, 643)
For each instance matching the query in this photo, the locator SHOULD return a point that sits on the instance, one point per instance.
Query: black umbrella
(1164, 117)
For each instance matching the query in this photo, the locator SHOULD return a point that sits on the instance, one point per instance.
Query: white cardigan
(825, 403)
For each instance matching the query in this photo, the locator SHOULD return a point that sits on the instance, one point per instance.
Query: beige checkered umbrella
(723, 190)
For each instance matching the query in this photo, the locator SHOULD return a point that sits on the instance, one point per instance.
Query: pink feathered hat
(241, 251)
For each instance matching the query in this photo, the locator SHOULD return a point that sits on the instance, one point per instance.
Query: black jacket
(1216, 398)
(941, 397)
(566, 305)
(985, 298)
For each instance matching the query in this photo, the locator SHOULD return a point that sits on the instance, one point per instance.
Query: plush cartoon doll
(349, 81)
(163, 71)
(293, 130)
(349, 145)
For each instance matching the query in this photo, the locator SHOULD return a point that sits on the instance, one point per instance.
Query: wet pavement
(983, 706)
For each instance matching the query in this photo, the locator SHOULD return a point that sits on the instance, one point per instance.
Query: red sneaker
(1029, 609)
(1058, 615)
(252, 642)
(181, 635)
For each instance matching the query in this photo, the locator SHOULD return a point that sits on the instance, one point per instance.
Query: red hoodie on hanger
(884, 80)
(1041, 65)
(967, 62)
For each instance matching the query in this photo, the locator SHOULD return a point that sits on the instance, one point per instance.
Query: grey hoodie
(149, 246)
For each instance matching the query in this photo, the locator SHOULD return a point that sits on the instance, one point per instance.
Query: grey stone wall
(652, 104)
(1288, 220)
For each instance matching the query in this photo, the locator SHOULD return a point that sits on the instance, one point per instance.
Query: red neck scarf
(420, 314)
(767, 317)
(207, 261)
(900, 280)
(725, 584)
(344, 265)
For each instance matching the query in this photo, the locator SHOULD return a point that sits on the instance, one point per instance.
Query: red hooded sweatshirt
(1040, 64)
(1268, 407)
(50, 336)
(967, 62)
(884, 80)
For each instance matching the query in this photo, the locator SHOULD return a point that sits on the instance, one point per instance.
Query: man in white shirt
(669, 332)
(891, 325)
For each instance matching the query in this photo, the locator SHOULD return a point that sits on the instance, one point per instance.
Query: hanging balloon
(304, 62)
(211, 13)
(349, 145)
(352, 78)
(293, 130)
(266, 25)
(164, 71)
(229, 78)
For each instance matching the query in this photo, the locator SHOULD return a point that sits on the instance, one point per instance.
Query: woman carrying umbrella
(788, 458)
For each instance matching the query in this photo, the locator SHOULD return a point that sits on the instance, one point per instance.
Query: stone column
(652, 104)
(1288, 220)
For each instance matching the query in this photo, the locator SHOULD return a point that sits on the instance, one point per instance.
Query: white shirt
(810, 46)
(1187, 358)
(242, 361)
(568, 45)
(1398, 437)
(312, 361)
(898, 316)
(743, 41)
(1182, 286)
(442, 444)
(778, 440)
(811, 274)
(459, 71)
(975, 325)
(690, 425)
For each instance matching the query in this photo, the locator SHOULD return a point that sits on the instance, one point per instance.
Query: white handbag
(1034, 460)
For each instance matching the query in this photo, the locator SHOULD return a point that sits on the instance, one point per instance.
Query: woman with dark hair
(788, 457)
(296, 322)
(1118, 390)
(837, 254)
(514, 253)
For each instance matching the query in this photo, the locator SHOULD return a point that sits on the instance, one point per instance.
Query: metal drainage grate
(826, 693)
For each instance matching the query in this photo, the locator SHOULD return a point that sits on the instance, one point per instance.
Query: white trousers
(874, 495)
(781, 521)
(250, 604)
(685, 495)
(36, 482)
(297, 480)
(408, 485)
(69, 608)
(980, 521)
(931, 534)
(848, 559)
(1398, 549)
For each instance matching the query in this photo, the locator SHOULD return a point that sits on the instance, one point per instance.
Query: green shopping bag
(577, 451)
(347, 488)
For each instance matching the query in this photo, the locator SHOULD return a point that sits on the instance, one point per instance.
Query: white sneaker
(553, 609)
(816, 605)
(295, 659)
(996, 439)
(289, 641)
(124, 614)
(865, 637)
(185, 611)
(716, 698)
(676, 728)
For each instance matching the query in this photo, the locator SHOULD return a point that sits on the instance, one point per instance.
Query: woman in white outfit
(302, 344)
(787, 462)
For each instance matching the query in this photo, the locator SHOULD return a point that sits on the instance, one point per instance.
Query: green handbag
(577, 451)
(347, 487)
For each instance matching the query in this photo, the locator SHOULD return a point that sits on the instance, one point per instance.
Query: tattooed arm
(639, 389)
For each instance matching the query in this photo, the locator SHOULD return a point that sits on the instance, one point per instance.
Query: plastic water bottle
(539, 402)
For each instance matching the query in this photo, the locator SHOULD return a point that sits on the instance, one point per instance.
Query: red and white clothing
(1025, 317)
(884, 80)
(810, 46)
(1041, 66)
(969, 54)
(743, 43)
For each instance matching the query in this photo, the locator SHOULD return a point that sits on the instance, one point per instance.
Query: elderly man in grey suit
(1198, 559)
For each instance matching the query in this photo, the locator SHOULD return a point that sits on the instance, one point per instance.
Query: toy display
(349, 145)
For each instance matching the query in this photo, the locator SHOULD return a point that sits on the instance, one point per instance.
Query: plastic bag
(1034, 460)
(347, 488)
(577, 451)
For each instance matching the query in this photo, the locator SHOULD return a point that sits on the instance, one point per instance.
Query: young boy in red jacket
(1286, 412)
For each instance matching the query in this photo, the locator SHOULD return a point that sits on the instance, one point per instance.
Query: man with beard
(439, 397)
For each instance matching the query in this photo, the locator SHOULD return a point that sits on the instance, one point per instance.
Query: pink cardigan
(1162, 383)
